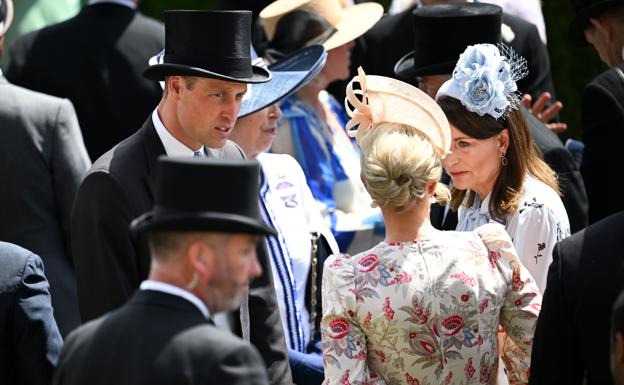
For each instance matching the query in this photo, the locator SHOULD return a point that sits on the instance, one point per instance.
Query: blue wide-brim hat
(289, 75)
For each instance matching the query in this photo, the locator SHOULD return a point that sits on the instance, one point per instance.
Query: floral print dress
(428, 312)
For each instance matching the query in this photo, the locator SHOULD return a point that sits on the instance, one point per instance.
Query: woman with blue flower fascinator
(423, 306)
(497, 172)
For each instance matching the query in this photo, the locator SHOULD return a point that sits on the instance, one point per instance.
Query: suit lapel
(153, 148)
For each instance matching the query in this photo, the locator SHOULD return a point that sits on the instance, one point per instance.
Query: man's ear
(174, 85)
(603, 27)
(201, 257)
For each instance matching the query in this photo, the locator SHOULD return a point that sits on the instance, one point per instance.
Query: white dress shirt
(178, 292)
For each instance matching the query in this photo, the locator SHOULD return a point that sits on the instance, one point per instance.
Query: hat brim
(404, 68)
(209, 222)
(355, 21)
(159, 71)
(271, 14)
(576, 33)
(289, 75)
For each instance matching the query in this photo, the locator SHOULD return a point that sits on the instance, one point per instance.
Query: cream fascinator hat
(350, 22)
(385, 100)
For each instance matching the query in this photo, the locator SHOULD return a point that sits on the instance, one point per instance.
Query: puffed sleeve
(344, 342)
(535, 235)
(521, 305)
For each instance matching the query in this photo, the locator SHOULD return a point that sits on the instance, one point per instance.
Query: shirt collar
(178, 292)
(173, 147)
(127, 3)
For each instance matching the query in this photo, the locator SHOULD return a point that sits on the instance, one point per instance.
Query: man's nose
(255, 270)
(231, 109)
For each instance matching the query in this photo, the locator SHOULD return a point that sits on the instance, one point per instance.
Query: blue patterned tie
(198, 154)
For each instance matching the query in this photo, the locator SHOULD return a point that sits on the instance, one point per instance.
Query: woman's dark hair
(522, 156)
(298, 29)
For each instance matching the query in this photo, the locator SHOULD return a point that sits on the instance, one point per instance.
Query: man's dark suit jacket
(572, 336)
(602, 117)
(43, 162)
(393, 36)
(157, 338)
(561, 161)
(30, 342)
(94, 59)
(110, 263)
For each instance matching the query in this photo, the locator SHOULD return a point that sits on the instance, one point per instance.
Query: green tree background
(572, 67)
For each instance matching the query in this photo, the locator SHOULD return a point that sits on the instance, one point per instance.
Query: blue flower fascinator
(484, 80)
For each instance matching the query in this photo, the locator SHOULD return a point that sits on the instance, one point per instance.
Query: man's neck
(169, 119)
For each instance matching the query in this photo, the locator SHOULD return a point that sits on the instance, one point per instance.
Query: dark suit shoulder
(518, 24)
(212, 356)
(609, 82)
(604, 233)
(150, 26)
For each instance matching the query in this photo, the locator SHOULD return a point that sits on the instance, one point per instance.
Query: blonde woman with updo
(423, 306)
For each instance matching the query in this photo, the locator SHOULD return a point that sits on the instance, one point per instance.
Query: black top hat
(586, 9)
(443, 31)
(205, 194)
(214, 44)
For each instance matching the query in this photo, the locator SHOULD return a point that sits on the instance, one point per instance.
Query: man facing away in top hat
(204, 87)
(572, 340)
(601, 24)
(202, 240)
(432, 64)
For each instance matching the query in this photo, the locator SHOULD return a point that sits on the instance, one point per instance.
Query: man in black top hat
(204, 87)
(601, 24)
(202, 240)
(432, 64)
(393, 36)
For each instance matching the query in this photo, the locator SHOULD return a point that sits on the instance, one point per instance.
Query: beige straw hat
(385, 100)
(350, 22)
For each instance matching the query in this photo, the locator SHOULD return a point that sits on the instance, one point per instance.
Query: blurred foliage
(572, 67)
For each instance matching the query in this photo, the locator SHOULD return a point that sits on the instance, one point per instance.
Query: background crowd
(310, 191)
